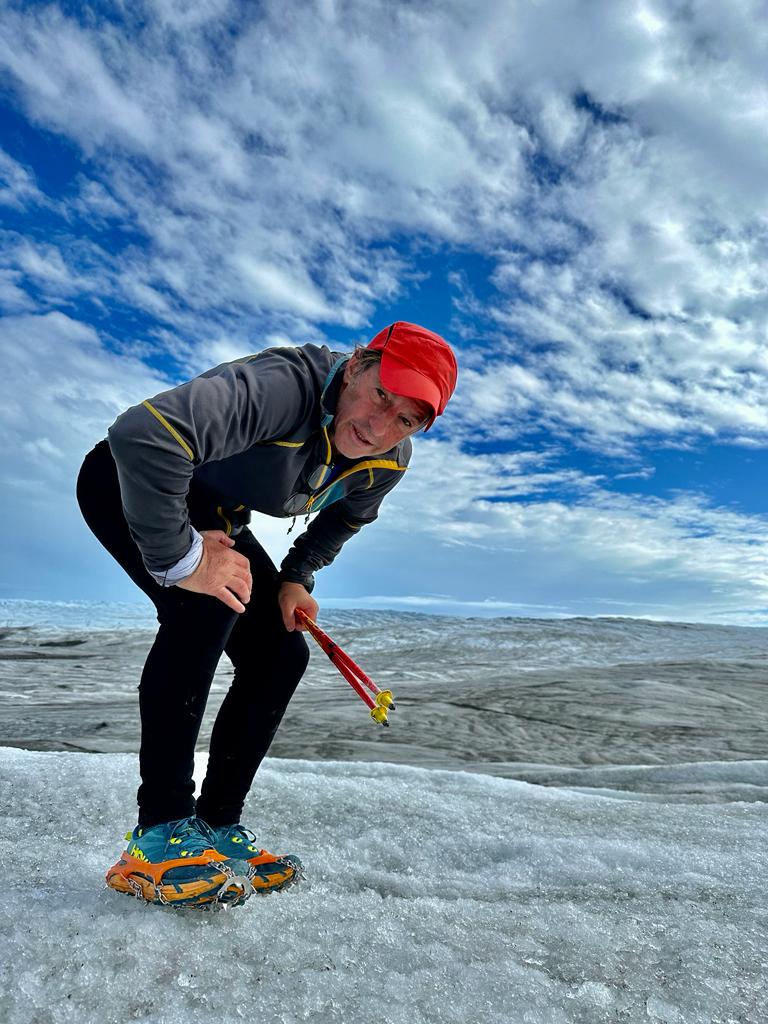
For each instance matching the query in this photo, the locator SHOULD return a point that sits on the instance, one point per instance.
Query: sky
(572, 192)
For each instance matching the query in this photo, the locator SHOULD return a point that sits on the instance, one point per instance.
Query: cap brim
(402, 380)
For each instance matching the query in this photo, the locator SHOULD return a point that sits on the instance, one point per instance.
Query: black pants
(194, 631)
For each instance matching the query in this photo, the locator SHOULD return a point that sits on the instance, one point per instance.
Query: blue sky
(574, 193)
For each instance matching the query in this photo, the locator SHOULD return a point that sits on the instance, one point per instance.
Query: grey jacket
(247, 435)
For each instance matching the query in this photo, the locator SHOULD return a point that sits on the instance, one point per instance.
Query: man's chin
(356, 452)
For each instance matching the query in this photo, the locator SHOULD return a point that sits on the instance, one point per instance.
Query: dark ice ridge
(521, 698)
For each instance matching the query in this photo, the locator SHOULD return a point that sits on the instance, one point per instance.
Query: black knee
(299, 653)
(277, 665)
(289, 661)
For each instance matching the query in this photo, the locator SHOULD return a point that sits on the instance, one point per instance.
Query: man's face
(369, 419)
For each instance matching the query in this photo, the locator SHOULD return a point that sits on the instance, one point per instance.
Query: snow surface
(432, 896)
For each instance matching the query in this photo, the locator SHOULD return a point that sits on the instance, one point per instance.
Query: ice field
(431, 897)
(498, 696)
(601, 858)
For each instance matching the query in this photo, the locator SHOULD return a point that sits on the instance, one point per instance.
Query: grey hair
(366, 357)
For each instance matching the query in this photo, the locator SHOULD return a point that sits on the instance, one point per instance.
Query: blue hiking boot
(269, 872)
(176, 864)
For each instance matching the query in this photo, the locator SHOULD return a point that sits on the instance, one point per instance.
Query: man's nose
(379, 421)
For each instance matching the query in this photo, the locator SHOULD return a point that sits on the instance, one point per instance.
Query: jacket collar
(329, 396)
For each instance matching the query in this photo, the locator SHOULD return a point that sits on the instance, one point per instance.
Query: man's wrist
(185, 566)
(287, 576)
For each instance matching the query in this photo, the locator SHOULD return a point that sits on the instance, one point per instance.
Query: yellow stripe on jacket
(171, 430)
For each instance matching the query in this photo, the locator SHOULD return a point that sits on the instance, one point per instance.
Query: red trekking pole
(381, 702)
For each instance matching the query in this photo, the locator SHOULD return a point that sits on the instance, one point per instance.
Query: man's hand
(292, 596)
(222, 572)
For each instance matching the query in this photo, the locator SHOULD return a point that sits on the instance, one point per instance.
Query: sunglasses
(297, 502)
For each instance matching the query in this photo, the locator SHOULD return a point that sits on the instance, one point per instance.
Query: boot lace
(196, 837)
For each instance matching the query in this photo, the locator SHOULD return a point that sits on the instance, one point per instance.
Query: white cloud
(96, 204)
(320, 134)
(270, 173)
(606, 159)
(444, 528)
(13, 296)
(494, 533)
(282, 289)
(60, 390)
(17, 184)
(44, 263)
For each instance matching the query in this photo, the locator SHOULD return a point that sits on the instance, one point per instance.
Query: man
(288, 432)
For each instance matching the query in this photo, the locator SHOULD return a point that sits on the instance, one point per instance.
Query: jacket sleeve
(333, 526)
(157, 444)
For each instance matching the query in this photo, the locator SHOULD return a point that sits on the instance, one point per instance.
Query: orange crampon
(157, 883)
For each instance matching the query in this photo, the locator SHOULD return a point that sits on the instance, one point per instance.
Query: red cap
(417, 363)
